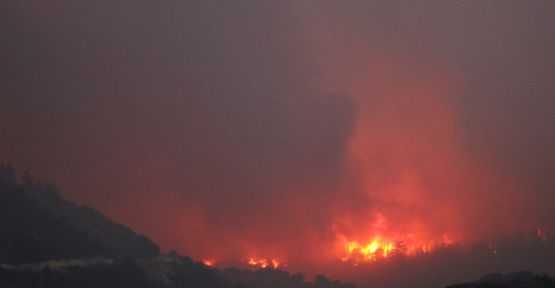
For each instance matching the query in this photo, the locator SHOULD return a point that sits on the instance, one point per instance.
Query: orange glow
(369, 251)
(209, 263)
(264, 263)
(541, 234)
(380, 246)
(446, 240)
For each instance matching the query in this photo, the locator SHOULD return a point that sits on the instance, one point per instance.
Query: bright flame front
(369, 251)
(264, 263)
(379, 248)
(376, 245)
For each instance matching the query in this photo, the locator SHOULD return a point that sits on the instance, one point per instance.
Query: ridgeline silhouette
(46, 241)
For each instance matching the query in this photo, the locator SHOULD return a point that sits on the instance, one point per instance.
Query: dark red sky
(231, 128)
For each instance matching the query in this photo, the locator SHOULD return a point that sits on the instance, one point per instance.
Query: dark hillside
(117, 239)
(46, 241)
(36, 224)
(30, 233)
(522, 279)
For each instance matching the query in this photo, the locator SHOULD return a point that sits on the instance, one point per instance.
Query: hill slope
(522, 279)
(36, 224)
(46, 241)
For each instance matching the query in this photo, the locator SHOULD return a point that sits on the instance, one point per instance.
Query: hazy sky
(233, 128)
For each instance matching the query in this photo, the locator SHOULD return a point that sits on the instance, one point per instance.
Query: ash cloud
(194, 123)
(231, 129)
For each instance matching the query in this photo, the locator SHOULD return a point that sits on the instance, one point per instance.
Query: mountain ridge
(47, 241)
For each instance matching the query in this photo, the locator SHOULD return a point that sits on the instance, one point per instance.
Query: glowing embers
(371, 251)
(541, 234)
(264, 263)
(381, 243)
(252, 262)
(379, 248)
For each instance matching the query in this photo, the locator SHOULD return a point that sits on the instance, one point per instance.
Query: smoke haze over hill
(230, 130)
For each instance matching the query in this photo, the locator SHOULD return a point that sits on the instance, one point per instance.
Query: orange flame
(370, 251)
(264, 263)
(380, 246)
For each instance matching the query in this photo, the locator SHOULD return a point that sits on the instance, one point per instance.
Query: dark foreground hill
(36, 224)
(46, 241)
(523, 279)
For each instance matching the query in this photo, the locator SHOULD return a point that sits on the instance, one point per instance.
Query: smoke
(409, 147)
(235, 130)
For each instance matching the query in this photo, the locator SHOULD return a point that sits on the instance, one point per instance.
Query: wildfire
(370, 251)
(380, 246)
(379, 240)
(264, 263)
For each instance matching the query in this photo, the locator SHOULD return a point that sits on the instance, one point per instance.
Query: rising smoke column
(408, 153)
